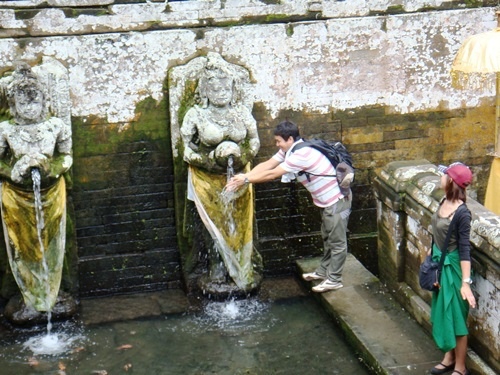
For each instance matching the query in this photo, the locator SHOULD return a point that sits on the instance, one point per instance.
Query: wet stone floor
(283, 330)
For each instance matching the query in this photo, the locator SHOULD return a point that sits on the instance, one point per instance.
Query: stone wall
(372, 74)
(408, 193)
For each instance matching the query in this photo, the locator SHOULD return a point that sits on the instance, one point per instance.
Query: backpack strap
(308, 174)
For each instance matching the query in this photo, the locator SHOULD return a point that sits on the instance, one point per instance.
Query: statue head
(219, 83)
(26, 96)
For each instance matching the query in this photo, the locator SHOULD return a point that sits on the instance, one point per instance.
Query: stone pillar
(392, 222)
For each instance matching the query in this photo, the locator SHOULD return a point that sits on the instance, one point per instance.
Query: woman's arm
(466, 290)
(464, 248)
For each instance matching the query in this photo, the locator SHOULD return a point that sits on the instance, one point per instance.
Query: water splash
(235, 316)
(53, 343)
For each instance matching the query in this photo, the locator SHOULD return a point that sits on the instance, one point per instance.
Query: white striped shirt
(325, 191)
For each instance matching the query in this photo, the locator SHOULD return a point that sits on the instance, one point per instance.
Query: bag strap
(309, 174)
(448, 236)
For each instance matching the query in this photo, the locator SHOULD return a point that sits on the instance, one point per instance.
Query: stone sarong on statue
(35, 252)
(230, 229)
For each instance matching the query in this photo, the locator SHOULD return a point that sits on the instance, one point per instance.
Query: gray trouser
(334, 233)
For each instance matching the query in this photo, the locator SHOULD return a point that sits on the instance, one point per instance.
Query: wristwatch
(246, 180)
(467, 280)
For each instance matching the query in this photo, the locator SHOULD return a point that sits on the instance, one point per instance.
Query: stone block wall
(124, 205)
(372, 74)
(408, 193)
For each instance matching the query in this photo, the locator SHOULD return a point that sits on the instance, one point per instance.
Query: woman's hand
(467, 294)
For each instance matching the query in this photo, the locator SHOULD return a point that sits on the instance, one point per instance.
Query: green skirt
(448, 310)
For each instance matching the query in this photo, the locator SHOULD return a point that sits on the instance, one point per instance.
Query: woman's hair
(453, 191)
(287, 129)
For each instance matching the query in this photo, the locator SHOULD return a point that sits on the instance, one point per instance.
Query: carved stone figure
(35, 152)
(219, 132)
(220, 125)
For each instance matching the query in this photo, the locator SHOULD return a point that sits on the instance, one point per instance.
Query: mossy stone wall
(124, 204)
(370, 74)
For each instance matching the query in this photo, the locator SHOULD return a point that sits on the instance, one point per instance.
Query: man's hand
(236, 182)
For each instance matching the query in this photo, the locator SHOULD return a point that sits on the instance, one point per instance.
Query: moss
(473, 3)
(184, 237)
(188, 99)
(92, 136)
(5, 115)
(396, 9)
(75, 12)
(271, 2)
(25, 14)
(276, 17)
(289, 29)
(152, 122)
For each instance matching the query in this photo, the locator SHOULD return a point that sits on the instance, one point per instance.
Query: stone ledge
(420, 180)
(75, 17)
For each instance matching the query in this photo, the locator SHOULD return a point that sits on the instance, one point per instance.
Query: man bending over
(317, 174)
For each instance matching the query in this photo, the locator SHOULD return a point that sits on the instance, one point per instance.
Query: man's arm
(265, 171)
(264, 166)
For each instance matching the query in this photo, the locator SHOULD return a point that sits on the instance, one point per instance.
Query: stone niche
(408, 193)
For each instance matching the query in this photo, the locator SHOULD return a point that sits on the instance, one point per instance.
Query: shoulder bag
(429, 274)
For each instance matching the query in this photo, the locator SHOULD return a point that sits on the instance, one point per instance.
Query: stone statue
(33, 146)
(220, 132)
(220, 125)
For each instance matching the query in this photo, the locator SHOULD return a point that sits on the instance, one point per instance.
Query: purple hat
(458, 172)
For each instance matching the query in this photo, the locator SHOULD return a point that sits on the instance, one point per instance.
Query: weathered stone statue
(35, 151)
(219, 132)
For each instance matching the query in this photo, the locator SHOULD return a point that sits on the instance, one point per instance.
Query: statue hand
(21, 169)
(23, 166)
(40, 161)
(192, 157)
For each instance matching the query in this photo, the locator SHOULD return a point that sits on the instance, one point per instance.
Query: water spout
(230, 169)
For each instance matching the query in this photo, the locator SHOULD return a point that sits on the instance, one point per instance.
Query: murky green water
(292, 336)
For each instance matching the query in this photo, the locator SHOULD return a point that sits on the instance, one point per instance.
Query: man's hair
(453, 191)
(287, 129)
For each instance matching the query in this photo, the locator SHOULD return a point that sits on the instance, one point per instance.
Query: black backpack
(340, 158)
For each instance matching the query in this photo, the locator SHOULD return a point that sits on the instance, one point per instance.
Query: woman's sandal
(444, 370)
(466, 372)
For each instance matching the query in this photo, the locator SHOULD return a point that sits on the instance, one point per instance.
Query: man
(320, 181)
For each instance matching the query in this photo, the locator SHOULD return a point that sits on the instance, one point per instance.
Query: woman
(450, 304)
